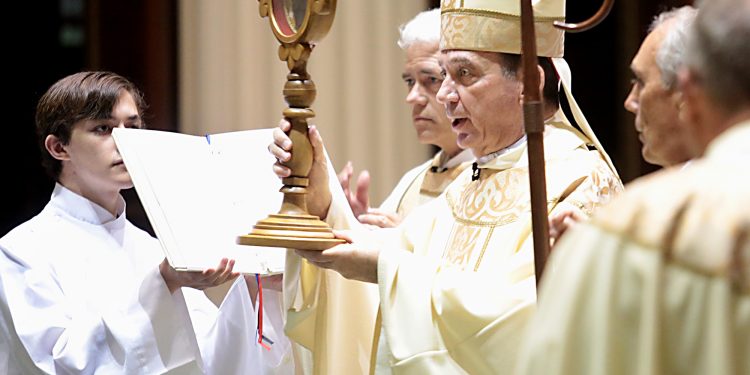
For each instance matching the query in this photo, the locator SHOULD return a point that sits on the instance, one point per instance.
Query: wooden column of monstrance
(298, 25)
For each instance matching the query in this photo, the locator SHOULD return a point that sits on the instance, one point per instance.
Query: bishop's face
(92, 162)
(482, 101)
(655, 106)
(422, 77)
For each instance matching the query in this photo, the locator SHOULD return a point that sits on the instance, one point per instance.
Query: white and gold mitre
(495, 26)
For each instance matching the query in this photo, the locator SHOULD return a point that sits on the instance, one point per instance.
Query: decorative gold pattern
(449, 4)
(463, 238)
(319, 6)
(498, 15)
(471, 30)
(501, 197)
(264, 8)
(291, 53)
(493, 197)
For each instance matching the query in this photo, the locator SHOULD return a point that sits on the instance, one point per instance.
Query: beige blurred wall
(231, 79)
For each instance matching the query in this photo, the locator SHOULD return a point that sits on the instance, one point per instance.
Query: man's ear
(541, 84)
(689, 97)
(56, 148)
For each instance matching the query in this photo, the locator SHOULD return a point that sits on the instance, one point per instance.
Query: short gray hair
(718, 51)
(424, 28)
(670, 56)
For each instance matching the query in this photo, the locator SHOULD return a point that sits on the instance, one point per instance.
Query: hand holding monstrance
(298, 25)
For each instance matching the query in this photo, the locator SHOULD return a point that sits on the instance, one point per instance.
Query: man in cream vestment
(420, 40)
(456, 278)
(659, 281)
(653, 99)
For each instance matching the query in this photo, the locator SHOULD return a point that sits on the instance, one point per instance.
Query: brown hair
(77, 97)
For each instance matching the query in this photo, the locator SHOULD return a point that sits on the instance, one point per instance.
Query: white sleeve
(149, 332)
(227, 335)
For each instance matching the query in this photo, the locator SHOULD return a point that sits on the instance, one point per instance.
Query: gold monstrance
(298, 25)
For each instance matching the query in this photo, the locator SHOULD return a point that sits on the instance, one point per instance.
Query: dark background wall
(137, 39)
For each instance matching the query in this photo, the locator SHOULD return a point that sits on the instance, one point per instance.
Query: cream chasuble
(659, 281)
(458, 295)
(456, 279)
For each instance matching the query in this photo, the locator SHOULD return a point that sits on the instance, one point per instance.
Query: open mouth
(458, 122)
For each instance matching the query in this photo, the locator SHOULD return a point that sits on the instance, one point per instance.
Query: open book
(200, 193)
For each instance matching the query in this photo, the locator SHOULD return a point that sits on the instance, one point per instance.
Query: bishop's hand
(318, 193)
(357, 259)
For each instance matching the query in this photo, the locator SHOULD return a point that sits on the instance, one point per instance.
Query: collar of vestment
(80, 208)
(559, 137)
(732, 143)
(441, 162)
(442, 174)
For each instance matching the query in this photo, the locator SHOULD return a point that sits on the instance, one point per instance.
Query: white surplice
(81, 292)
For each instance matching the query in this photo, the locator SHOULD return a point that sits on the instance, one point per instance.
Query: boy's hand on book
(197, 280)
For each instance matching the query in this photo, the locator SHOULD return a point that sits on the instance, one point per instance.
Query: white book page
(249, 192)
(200, 197)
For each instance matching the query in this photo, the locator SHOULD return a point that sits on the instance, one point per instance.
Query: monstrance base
(303, 232)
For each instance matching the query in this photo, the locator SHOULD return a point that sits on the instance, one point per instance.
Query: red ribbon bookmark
(262, 340)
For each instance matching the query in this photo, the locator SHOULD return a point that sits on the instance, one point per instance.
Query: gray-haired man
(654, 98)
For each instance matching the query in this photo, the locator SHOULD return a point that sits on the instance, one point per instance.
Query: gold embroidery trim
(579, 206)
(498, 15)
(447, 243)
(490, 224)
(484, 248)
